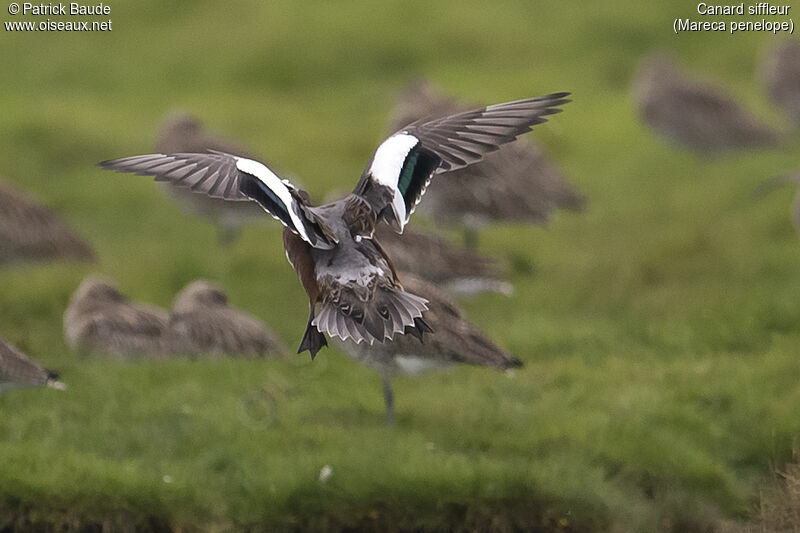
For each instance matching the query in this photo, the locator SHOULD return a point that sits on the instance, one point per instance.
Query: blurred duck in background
(517, 183)
(458, 270)
(32, 232)
(17, 370)
(100, 319)
(181, 132)
(201, 322)
(694, 114)
(453, 340)
(780, 70)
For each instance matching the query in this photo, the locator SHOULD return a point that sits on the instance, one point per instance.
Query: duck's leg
(313, 340)
(388, 398)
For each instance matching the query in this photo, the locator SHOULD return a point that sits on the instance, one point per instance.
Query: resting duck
(201, 321)
(693, 114)
(31, 232)
(457, 269)
(17, 370)
(347, 275)
(100, 319)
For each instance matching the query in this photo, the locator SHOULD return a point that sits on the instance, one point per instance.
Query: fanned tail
(419, 328)
(390, 312)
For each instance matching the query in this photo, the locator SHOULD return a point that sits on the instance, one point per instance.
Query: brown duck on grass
(693, 114)
(182, 133)
(32, 232)
(517, 183)
(202, 322)
(17, 370)
(453, 340)
(347, 275)
(101, 319)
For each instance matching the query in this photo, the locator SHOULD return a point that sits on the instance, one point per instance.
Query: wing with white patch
(401, 168)
(230, 177)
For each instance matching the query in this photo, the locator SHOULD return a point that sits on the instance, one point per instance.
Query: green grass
(659, 329)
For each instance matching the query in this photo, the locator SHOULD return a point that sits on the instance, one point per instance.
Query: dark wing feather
(229, 177)
(462, 139)
(18, 368)
(402, 166)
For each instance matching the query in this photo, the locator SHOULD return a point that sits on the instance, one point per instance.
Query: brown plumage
(17, 370)
(694, 114)
(453, 340)
(181, 132)
(202, 322)
(30, 231)
(516, 183)
(780, 70)
(101, 319)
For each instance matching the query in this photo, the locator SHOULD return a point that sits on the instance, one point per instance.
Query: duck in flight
(353, 288)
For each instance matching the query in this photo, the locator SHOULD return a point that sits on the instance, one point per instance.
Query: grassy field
(659, 329)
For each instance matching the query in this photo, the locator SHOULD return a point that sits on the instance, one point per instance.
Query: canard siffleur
(354, 291)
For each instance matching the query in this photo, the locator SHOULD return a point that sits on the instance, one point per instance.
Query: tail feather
(351, 329)
(397, 320)
(374, 323)
(406, 310)
(419, 328)
(333, 329)
(360, 330)
(390, 311)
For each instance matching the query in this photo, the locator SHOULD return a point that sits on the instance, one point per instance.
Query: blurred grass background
(659, 329)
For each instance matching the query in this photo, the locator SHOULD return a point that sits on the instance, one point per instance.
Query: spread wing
(16, 368)
(234, 178)
(403, 165)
